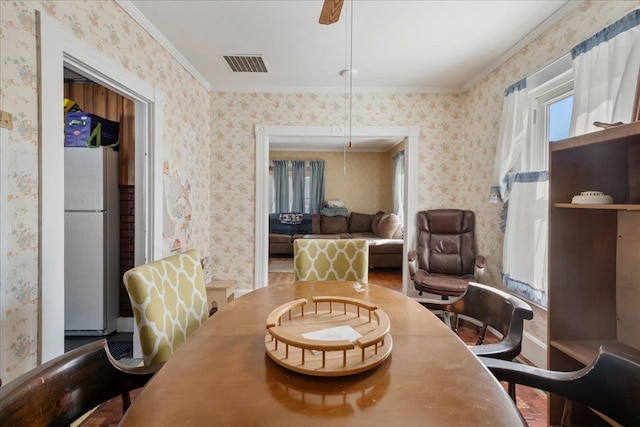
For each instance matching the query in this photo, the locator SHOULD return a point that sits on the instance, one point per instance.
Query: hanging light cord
(346, 61)
(351, 73)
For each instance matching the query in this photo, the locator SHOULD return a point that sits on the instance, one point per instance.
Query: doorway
(263, 133)
(59, 50)
(99, 200)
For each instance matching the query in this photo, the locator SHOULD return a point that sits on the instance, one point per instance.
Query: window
(559, 118)
(538, 112)
(551, 103)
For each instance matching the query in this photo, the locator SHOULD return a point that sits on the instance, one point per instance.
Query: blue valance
(541, 176)
(623, 24)
(517, 86)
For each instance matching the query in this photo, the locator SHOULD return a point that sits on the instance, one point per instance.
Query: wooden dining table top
(222, 376)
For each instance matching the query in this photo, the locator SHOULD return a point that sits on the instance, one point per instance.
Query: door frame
(262, 135)
(58, 49)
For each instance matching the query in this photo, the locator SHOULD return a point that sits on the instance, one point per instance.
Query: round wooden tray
(292, 336)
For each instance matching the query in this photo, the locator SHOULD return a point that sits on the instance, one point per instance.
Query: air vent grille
(246, 63)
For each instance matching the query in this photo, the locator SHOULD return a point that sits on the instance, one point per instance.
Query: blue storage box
(88, 130)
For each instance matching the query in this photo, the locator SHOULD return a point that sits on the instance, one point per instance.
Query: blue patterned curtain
(281, 184)
(317, 186)
(297, 167)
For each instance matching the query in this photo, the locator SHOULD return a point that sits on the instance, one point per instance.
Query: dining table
(222, 375)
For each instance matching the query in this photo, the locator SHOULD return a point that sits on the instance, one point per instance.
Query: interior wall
(365, 186)
(457, 142)
(482, 109)
(233, 172)
(210, 155)
(186, 177)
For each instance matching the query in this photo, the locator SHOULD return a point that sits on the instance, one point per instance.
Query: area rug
(120, 343)
(281, 265)
(120, 349)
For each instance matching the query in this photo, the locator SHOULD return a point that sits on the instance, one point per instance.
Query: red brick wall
(127, 234)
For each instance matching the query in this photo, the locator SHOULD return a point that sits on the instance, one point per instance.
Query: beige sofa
(382, 231)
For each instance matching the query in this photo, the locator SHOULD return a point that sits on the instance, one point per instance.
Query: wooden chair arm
(479, 268)
(412, 256)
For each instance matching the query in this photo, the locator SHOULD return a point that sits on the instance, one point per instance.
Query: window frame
(540, 97)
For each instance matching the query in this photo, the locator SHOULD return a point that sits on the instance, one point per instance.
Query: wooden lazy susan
(339, 336)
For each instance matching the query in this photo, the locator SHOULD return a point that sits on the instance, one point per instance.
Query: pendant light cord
(351, 74)
(348, 58)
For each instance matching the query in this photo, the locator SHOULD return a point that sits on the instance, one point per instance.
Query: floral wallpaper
(458, 134)
(483, 106)
(209, 155)
(233, 116)
(114, 34)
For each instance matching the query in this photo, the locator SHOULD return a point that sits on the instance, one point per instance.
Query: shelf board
(586, 351)
(629, 131)
(613, 206)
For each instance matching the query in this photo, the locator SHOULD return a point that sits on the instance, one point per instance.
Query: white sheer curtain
(606, 73)
(398, 184)
(520, 181)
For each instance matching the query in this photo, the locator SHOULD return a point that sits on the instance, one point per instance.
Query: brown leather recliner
(446, 259)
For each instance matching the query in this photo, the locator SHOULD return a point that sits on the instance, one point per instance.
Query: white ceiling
(417, 46)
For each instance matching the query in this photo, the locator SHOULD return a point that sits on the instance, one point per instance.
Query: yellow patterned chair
(331, 259)
(169, 302)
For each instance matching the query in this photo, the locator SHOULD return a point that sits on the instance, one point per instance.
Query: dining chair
(490, 308)
(610, 384)
(331, 259)
(63, 389)
(169, 302)
(446, 260)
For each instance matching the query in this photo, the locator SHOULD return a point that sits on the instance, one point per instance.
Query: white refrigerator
(91, 246)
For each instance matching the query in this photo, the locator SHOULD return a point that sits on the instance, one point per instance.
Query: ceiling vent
(246, 63)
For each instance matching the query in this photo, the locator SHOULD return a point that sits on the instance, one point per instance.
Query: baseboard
(534, 350)
(125, 324)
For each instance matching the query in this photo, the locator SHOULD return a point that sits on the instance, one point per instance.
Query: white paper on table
(336, 333)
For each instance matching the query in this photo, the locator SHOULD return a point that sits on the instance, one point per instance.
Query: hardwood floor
(388, 277)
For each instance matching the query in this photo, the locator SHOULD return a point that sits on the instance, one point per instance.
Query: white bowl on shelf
(592, 198)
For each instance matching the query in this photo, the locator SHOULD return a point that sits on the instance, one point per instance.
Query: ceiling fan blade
(330, 11)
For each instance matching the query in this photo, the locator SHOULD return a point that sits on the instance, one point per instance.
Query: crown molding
(339, 90)
(567, 7)
(137, 16)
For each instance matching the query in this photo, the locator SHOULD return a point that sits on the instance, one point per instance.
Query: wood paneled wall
(96, 99)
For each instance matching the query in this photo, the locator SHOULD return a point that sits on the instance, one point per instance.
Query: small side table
(221, 292)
